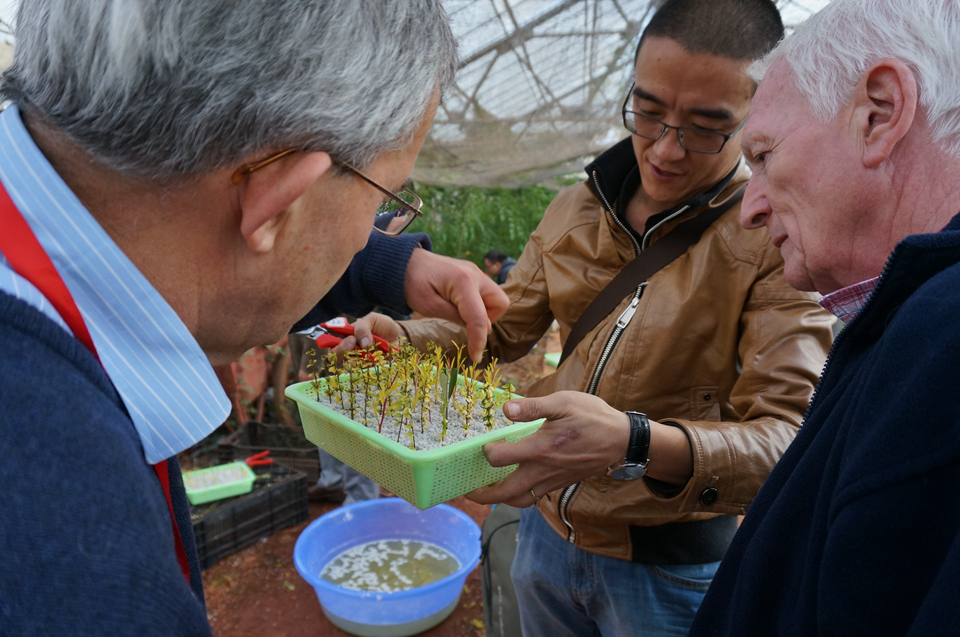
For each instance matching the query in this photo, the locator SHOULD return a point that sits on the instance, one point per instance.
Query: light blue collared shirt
(159, 370)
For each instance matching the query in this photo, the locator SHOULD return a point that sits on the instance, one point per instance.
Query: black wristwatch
(634, 464)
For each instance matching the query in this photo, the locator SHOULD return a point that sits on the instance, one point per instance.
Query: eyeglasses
(693, 139)
(393, 215)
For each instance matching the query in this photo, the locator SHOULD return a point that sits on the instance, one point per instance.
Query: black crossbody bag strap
(656, 257)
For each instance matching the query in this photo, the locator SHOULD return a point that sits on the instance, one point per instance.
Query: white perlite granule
(390, 565)
(215, 477)
(423, 428)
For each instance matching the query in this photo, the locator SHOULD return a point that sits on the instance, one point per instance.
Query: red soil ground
(258, 591)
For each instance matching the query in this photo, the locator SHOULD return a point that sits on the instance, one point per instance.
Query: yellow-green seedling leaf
(451, 384)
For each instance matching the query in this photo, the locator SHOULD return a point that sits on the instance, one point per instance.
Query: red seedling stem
(383, 407)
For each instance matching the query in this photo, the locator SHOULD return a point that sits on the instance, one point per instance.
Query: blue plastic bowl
(373, 614)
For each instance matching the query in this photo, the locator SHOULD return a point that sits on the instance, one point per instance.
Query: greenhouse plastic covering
(539, 88)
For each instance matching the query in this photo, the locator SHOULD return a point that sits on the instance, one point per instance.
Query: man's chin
(224, 353)
(666, 195)
(799, 280)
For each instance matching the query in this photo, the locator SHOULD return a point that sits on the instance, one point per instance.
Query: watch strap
(634, 464)
(639, 447)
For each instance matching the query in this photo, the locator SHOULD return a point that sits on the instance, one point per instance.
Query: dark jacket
(505, 270)
(857, 529)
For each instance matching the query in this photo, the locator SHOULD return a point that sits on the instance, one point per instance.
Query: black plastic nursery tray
(286, 444)
(278, 500)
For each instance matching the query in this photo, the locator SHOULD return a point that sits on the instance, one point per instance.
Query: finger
(482, 496)
(477, 340)
(345, 346)
(495, 300)
(472, 313)
(485, 495)
(530, 409)
(556, 406)
(479, 493)
(503, 454)
(514, 490)
(379, 324)
(499, 494)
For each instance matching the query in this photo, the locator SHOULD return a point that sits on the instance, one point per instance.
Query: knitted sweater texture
(857, 529)
(86, 538)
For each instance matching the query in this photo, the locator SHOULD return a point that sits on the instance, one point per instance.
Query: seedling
(422, 401)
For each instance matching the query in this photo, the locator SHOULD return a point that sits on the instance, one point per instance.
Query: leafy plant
(465, 222)
(409, 391)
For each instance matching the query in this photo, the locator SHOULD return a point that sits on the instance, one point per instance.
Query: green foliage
(407, 387)
(466, 222)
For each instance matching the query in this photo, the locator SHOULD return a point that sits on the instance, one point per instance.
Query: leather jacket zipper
(567, 494)
(565, 498)
(628, 313)
(622, 323)
(625, 317)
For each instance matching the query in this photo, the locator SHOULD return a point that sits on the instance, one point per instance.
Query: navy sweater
(857, 529)
(86, 543)
(85, 534)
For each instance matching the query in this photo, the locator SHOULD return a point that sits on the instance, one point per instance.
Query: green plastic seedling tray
(225, 488)
(422, 478)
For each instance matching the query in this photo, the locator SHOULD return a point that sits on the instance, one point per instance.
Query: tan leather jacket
(722, 305)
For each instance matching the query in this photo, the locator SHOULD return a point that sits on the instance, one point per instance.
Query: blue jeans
(337, 475)
(563, 590)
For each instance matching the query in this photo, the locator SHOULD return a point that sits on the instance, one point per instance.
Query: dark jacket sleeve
(375, 278)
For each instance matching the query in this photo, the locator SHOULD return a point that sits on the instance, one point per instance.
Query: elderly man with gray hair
(181, 181)
(854, 136)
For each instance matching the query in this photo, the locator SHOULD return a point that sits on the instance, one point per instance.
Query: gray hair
(831, 51)
(173, 88)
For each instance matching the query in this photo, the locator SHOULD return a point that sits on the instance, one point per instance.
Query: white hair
(173, 88)
(831, 51)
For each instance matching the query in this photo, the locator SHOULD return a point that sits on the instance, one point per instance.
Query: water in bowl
(389, 565)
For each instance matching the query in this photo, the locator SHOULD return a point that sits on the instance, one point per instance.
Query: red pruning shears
(328, 335)
(259, 459)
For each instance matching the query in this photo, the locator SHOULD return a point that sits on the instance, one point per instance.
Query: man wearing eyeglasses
(182, 181)
(715, 355)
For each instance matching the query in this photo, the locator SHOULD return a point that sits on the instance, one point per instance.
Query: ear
(268, 192)
(885, 108)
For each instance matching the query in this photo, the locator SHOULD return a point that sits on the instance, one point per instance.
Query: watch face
(628, 472)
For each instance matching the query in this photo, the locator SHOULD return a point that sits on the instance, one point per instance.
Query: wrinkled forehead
(777, 106)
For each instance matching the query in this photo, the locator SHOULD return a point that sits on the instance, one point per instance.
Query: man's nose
(755, 208)
(668, 146)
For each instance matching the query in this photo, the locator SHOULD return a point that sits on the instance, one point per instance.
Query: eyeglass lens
(690, 138)
(392, 218)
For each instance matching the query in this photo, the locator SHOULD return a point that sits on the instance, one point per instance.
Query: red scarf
(28, 259)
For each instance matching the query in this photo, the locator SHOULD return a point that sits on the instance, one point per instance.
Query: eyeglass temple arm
(243, 172)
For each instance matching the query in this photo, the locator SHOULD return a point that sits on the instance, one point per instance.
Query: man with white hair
(854, 136)
(181, 181)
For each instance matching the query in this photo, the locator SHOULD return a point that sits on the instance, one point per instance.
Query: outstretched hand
(581, 437)
(456, 290)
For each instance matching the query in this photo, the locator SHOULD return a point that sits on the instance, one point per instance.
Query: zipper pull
(628, 313)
